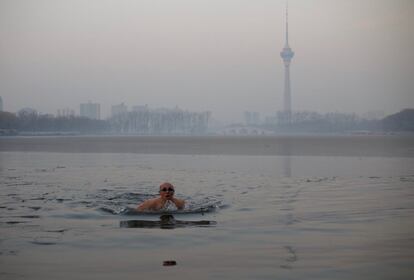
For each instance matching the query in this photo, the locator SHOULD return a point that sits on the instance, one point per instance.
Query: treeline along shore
(180, 122)
(148, 122)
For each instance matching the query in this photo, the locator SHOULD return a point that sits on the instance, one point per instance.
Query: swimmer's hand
(156, 204)
(180, 203)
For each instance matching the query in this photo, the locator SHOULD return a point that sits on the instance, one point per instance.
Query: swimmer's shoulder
(148, 204)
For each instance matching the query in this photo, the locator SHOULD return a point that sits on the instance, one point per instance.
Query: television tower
(287, 55)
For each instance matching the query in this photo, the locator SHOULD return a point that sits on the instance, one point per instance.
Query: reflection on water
(165, 222)
(290, 194)
(287, 166)
(287, 159)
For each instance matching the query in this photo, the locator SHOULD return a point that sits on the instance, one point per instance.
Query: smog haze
(221, 56)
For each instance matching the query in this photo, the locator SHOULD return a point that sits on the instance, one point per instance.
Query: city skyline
(220, 56)
(247, 117)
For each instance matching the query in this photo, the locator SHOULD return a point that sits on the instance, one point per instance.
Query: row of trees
(313, 122)
(402, 121)
(160, 121)
(306, 121)
(31, 121)
(176, 121)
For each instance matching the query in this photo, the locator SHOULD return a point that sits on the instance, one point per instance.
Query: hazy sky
(217, 55)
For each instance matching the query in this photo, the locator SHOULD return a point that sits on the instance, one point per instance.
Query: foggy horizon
(218, 56)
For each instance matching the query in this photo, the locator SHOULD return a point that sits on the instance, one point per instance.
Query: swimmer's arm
(180, 203)
(146, 205)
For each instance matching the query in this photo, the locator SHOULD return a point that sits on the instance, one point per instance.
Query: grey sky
(218, 55)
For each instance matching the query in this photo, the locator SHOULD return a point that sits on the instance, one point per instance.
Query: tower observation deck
(287, 55)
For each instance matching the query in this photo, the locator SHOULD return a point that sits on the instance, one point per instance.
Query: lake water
(272, 207)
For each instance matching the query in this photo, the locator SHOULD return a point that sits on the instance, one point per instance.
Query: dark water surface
(257, 208)
(371, 145)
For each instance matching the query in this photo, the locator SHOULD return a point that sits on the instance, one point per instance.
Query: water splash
(119, 204)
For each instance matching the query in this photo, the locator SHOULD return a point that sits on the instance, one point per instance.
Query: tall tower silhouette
(287, 55)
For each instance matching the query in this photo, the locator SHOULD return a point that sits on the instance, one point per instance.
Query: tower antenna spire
(287, 23)
(287, 55)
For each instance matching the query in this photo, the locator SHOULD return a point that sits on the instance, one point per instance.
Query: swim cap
(166, 185)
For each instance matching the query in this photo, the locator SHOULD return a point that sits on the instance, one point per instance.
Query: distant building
(1, 104)
(90, 110)
(119, 109)
(252, 118)
(66, 112)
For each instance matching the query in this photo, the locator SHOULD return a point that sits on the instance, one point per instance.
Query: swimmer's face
(167, 191)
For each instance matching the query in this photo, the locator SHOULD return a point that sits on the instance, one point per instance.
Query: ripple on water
(35, 208)
(129, 211)
(29, 216)
(44, 241)
(16, 222)
(57, 230)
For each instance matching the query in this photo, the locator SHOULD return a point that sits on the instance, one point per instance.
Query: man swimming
(166, 200)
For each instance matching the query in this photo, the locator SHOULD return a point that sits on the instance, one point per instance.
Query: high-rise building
(90, 110)
(118, 109)
(287, 55)
(1, 104)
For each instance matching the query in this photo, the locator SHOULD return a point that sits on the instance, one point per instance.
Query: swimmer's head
(167, 190)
